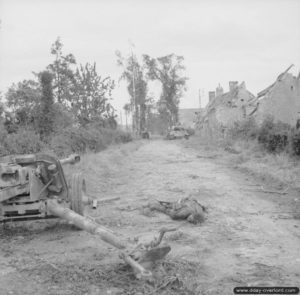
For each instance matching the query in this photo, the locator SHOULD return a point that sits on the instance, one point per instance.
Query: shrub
(243, 129)
(3, 150)
(273, 136)
(3, 132)
(76, 140)
(72, 139)
(84, 139)
(22, 142)
(294, 140)
(123, 136)
(62, 118)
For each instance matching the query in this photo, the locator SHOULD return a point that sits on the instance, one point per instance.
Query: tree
(47, 113)
(23, 99)
(127, 109)
(82, 91)
(169, 71)
(150, 108)
(3, 131)
(1, 106)
(91, 95)
(61, 68)
(133, 73)
(63, 117)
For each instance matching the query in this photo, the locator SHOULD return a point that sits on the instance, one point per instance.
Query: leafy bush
(84, 139)
(69, 140)
(243, 129)
(76, 140)
(295, 142)
(273, 136)
(3, 135)
(22, 142)
(63, 118)
(122, 136)
(3, 132)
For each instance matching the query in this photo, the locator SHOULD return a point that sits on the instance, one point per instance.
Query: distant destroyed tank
(145, 134)
(177, 132)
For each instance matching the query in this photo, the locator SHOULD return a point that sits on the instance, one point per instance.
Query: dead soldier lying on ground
(185, 208)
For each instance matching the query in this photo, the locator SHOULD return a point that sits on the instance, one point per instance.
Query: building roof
(279, 78)
(229, 98)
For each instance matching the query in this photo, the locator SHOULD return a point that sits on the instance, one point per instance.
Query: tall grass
(270, 151)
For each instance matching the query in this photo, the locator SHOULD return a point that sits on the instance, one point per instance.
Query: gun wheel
(78, 190)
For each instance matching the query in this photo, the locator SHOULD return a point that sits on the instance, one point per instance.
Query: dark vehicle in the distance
(145, 134)
(177, 132)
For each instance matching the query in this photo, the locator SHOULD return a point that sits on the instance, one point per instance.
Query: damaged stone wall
(281, 101)
(226, 109)
(210, 127)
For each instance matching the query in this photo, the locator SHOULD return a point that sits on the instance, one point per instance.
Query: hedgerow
(86, 139)
(274, 137)
(22, 142)
(67, 141)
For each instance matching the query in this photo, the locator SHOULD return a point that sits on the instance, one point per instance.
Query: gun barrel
(72, 159)
(92, 227)
(84, 223)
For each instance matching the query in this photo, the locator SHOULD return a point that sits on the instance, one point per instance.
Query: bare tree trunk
(137, 118)
(143, 117)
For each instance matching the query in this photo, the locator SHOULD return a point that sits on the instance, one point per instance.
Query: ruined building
(224, 109)
(281, 100)
(219, 90)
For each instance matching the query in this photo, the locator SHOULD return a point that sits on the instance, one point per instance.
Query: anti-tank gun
(35, 187)
(27, 182)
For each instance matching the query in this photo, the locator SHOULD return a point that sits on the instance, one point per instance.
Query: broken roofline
(279, 78)
(231, 94)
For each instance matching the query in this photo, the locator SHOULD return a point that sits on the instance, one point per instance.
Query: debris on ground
(186, 208)
(231, 150)
(171, 276)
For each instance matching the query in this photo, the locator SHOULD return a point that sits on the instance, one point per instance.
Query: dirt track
(249, 238)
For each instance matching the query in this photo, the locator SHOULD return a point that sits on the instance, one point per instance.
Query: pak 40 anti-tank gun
(27, 182)
(35, 187)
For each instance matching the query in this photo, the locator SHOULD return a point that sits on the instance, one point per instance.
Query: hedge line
(274, 136)
(69, 140)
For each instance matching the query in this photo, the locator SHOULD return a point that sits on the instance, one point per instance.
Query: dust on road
(244, 241)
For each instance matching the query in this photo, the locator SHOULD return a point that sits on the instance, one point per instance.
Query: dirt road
(249, 238)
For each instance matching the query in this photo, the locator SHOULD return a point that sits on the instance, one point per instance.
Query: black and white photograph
(149, 147)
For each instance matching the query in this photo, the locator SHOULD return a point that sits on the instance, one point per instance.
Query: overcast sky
(251, 41)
